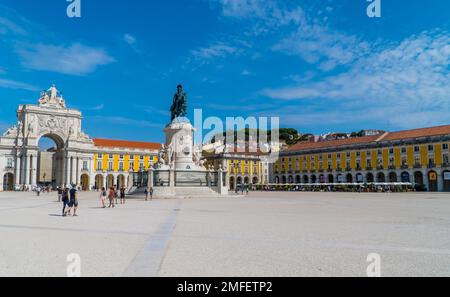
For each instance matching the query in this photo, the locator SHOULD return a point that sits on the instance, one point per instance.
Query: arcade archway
(8, 182)
(99, 182)
(84, 182)
(121, 181)
(50, 161)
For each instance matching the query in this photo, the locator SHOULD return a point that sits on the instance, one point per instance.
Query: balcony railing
(369, 168)
(392, 167)
(380, 167)
(431, 165)
(405, 167)
(417, 166)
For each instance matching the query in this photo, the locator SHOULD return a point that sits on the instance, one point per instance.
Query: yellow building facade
(122, 163)
(420, 156)
(241, 168)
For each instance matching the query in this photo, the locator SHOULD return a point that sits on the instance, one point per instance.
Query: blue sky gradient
(321, 66)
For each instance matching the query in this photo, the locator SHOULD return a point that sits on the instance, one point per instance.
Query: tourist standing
(60, 193)
(116, 195)
(73, 200)
(122, 195)
(111, 197)
(65, 200)
(103, 195)
(38, 191)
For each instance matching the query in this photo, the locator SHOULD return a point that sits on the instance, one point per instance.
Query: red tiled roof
(126, 144)
(416, 133)
(388, 136)
(306, 145)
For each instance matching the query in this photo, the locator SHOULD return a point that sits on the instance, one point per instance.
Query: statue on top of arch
(52, 98)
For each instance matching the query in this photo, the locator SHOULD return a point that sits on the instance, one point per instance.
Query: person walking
(103, 195)
(60, 193)
(73, 200)
(65, 200)
(116, 195)
(151, 193)
(122, 195)
(146, 191)
(111, 197)
(38, 191)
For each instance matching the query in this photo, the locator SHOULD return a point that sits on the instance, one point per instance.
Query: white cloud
(75, 59)
(117, 120)
(272, 13)
(246, 72)
(309, 37)
(408, 82)
(8, 26)
(98, 107)
(218, 50)
(131, 40)
(11, 84)
(317, 44)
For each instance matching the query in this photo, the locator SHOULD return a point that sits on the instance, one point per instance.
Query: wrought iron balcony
(417, 166)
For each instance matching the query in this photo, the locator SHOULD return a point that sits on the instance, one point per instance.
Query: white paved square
(264, 234)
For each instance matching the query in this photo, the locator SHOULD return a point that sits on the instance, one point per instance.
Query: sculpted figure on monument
(52, 98)
(179, 105)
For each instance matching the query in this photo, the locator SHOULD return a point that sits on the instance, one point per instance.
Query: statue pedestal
(180, 145)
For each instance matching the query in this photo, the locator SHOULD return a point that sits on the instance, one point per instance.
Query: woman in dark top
(65, 200)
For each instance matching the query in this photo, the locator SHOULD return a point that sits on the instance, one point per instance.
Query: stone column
(151, 177)
(104, 179)
(78, 176)
(222, 188)
(34, 171)
(425, 179)
(27, 170)
(17, 175)
(74, 171)
(67, 171)
(172, 178)
(440, 182)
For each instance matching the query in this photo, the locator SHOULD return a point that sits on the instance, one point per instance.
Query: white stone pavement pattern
(264, 234)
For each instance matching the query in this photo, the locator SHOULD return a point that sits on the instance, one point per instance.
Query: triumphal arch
(19, 150)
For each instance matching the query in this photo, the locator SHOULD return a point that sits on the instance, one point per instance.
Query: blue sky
(320, 66)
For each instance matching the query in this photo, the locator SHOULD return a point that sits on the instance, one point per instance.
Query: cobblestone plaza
(263, 234)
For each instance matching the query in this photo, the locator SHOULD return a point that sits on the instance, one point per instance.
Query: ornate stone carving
(52, 98)
(13, 131)
(51, 123)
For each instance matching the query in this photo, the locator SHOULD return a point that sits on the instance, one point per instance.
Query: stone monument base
(186, 192)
